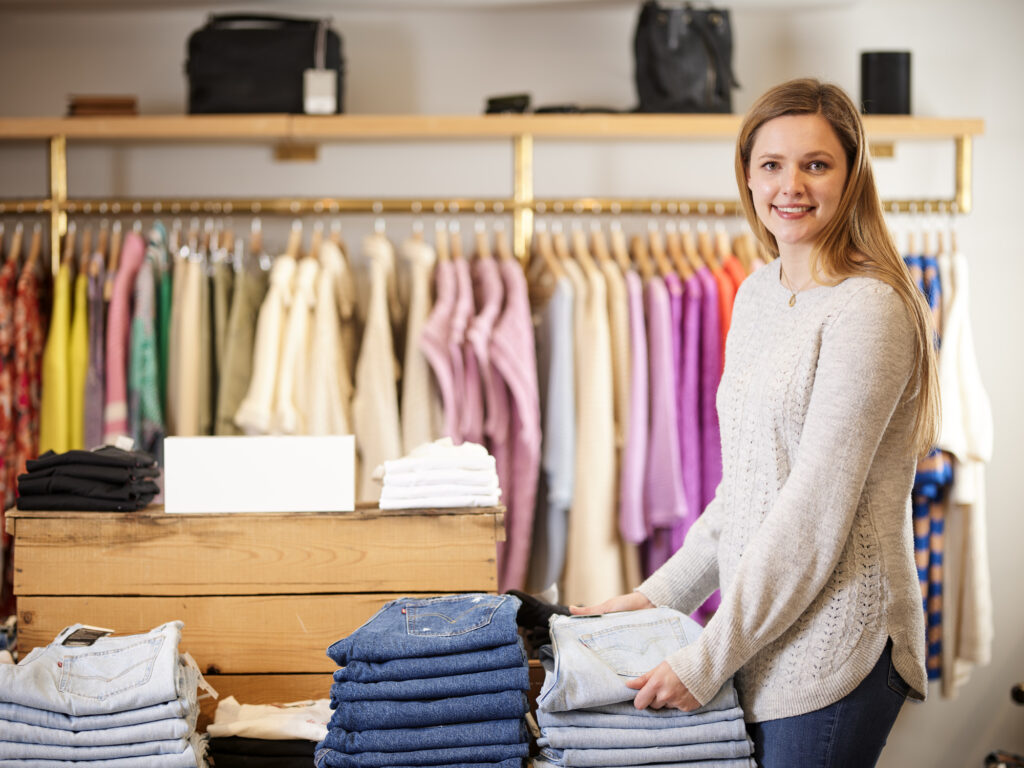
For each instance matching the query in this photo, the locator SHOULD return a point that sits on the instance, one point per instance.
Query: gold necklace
(789, 285)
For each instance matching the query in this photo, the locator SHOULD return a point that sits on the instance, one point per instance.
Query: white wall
(967, 59)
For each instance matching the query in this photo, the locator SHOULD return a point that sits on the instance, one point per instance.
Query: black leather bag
(683, 58)
(255, 63)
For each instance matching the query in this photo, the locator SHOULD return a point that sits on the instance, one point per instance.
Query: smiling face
(796, 176)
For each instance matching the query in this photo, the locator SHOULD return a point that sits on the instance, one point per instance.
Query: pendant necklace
(789, 285)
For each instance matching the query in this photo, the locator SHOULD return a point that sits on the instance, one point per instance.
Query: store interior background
(445, 57)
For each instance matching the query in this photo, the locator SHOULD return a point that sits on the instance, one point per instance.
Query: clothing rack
(306, 131)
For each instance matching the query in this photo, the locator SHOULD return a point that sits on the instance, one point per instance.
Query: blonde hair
(856, 242)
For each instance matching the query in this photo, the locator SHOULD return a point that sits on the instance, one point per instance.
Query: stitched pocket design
(101, 674)
(632, 650)
(450, 616)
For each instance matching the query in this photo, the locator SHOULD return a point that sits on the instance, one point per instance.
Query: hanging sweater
(809, 534)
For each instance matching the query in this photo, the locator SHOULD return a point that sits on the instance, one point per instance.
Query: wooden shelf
(438, 127)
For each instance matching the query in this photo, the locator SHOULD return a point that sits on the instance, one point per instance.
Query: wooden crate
(262, 596)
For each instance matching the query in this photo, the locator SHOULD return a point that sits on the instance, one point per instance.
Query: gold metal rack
(521, 129)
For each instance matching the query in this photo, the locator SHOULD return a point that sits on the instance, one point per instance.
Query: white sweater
(809, 534)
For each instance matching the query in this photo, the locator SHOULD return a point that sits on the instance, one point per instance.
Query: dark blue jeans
(328, 758)
(847, 734)
(493, 681)
(372, 715)
(501, 657)
(512, 731)
(417, 627)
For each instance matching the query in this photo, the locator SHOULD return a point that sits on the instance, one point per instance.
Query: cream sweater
(809, 534)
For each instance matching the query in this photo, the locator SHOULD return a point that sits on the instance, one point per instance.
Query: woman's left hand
(661, 687)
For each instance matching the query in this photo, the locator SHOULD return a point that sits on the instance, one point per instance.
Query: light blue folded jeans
(571, 737)
(499, 657)
(13, 750)
(594, 656)
(328, 758)
(645, 719)
(688, 753)
(114, 674)
(492, 681)
(190, 757)
(158, 730)
(512, 731)
(737, 762)
(435, 626)
(371, 715)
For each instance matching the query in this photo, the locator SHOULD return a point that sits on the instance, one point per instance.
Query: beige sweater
(809, 534)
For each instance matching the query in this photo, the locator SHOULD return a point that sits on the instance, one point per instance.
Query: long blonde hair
(856, 242)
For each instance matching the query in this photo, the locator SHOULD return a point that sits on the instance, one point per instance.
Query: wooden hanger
(723, 248)
(455, 242)
(482, 241)
(86, 251)
(294, 245)
(255, 236)
(620, 249)
(599, 244)
(639, 248)
(561, 246)
(35, 247)
(15, 250)
(102, 241)
(543, 246)
(580, 249)
(441, 241)
(741, 247)
(707, 250)
(69, 244)
(657, 246)
(113, 258)
(316, 241)
(690, 249)
(501, 243)
(675, 252)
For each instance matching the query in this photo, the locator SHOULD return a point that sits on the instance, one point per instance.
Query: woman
(828, 397)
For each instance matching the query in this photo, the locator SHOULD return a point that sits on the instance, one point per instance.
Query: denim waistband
(493, 681)
(415, 627)
(594, 656)
(510, 731)
(370, 715)
(499, 657)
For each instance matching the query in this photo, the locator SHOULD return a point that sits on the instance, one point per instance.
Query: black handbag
(683, 58)
(256, 63)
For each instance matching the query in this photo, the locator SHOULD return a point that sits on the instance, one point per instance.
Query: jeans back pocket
(101, 674)
(632, 650)
(450, 616)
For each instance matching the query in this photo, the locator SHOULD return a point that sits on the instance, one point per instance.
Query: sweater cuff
(691, 665)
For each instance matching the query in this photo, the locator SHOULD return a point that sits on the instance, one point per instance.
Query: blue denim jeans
(494, 681)
(328, 758)
(416, 627)
(114, 674)
(501, 657)
(158, 730)
(688, 753)
(646, 719)
(512, 762)
(12, 750)
(373, 715)
(512, 731)
(594, 656)
(848, 734)
(190, 757)
(183, 707)
(737, 762)
(636, 738)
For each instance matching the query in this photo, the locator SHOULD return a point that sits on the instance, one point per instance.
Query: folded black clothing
(239, 745)
(534, 612)
(31, 485)
(72, 502)
(99, 472)
(107, 455)
(227, 760)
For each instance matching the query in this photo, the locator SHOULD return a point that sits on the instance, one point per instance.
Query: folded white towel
(468, 478)
(443, 502)
(440, 454)
(437, 491)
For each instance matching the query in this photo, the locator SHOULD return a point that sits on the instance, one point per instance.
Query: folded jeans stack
(585, 709)
(107, 479)
(436, 681)
(440, 475)
(122, 702)
(266, 735)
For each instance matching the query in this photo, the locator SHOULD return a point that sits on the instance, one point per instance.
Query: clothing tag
(86, 636)
(320, 91)
(201, 682)
(531, 725)
(124, 442)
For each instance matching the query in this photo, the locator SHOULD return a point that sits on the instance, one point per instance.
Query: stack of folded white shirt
(440, 474)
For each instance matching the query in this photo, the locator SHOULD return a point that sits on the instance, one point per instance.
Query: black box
(885, 82)
(255, 63)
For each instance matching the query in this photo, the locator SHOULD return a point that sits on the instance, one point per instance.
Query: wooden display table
(262, 595)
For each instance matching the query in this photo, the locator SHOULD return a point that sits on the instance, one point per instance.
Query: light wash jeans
(646, 719)
(594, 656)
(501, 657)
(114, 674)
(184, 706)
(434, 626)
(738, 762)
(191, 757)
(372, 715)
(688, 753)
(512, 731)
(158, 730)
(12, 750)
(328, 758)
(493, 681)
(628, 738)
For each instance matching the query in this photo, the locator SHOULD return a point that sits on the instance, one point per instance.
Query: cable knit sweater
(809, 534)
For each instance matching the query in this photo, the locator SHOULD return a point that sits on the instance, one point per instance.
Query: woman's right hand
(634, 601)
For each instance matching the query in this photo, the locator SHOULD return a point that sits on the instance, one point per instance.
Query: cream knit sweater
(809, 534)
